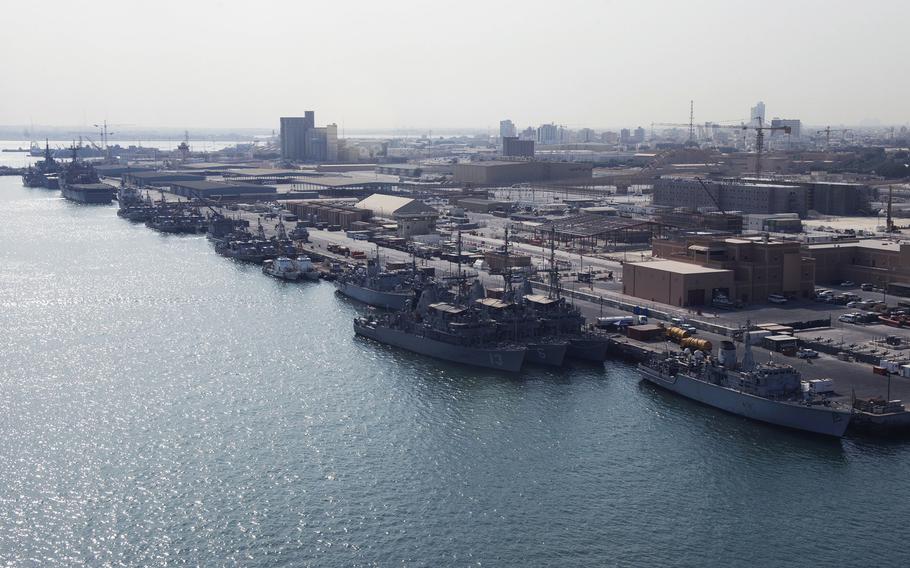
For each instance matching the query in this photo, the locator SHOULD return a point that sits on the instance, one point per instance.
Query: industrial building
(512, 146)
(884, 263)
(761, 266)
(209, 189)
(413, 217)
(503, 172)
(747, 197)
(676, 283)
(302, 140)
(158, 179)
(762, 196)
(481, 204)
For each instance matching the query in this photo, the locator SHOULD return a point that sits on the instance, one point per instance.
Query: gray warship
(444, 331)
(559, 319)
(769, 392)
(45, 173)
(79, 182)
(387, 289)
(517, 320)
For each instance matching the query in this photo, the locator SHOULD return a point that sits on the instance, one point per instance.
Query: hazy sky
(424, 64)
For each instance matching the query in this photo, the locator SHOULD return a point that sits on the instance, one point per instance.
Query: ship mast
(748, 363)
(458, 260)
(554, 291)
(507, 268)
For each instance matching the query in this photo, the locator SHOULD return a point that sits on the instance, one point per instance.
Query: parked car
(777, 299)
(866, 287)
(847, 284)
(847, 318)
(805, 353)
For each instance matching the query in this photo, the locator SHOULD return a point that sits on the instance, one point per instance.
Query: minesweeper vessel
(284, 268)
(445, 331)
(387, 289)
(770, 392)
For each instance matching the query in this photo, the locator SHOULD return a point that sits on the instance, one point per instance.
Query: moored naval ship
(387, 289)
(132, 205)
(284, 268)
(441, 327)
(45, 173)
(447, 332)
(769, 392)
(80, 182)
(557, 318)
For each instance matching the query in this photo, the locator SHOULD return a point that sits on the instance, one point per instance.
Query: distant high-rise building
(609, 137)
(293, 137)
(639, 135)
(302, 141)
(512, 146)
(586, 135)
(757, 113)
(625, 136)
(547, 134)
(528, 134)
(507, 129)
(793, 123)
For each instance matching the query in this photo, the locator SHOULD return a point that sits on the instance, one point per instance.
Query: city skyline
(598, 65)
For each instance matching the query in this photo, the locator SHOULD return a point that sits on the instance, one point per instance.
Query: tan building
(676, 283)
(761, 266)
(880, 262)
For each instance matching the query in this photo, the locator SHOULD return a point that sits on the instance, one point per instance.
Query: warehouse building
(158, 179)
(676, 283)
(413, 217)
(481, 205)
(209, 189)
(501, 172)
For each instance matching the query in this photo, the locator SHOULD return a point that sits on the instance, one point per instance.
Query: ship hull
(500, 359)
(551, 354)
(88, 197)
(387, 300)
(588, 349)
(818, 420)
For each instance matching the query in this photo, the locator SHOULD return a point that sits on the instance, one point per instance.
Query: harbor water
(164, 406)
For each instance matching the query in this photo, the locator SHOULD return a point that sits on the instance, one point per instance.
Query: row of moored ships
(76, 179)
(456, 319)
